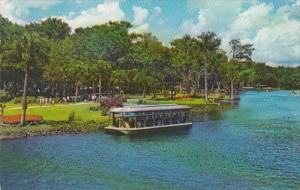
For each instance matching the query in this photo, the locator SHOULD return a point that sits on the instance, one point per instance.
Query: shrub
(140, 101)
(107, 103)
(71, 116)
(95, 108)
(30, 100)
(4, 97)
(104, 111)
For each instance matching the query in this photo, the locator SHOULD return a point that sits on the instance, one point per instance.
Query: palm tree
(25, 49)
(30, 51)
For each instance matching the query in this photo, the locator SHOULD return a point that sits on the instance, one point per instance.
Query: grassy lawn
(56, 117)
(182, 101)
(199, 101)
(60, 112)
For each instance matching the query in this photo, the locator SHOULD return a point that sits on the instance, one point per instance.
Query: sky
(272, 26)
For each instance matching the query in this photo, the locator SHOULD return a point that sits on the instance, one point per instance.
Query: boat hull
(134, 131)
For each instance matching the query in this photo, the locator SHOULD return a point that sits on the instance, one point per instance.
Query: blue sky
(272, 26)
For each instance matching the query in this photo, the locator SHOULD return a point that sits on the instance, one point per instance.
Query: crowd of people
(68, 99)
(46, 101)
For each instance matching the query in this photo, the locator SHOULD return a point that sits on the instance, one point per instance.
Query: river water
(254, 146)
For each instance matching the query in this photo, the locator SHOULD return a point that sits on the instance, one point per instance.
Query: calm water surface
(255, 146)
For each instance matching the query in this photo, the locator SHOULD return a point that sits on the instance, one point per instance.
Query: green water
(255, 146)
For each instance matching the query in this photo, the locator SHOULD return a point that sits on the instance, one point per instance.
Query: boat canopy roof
(148, 108)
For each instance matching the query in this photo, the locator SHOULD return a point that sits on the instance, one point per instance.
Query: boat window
(167, 119)
(119, 122)
(140, 121)
(158, 119)
(175, 118)
(184, 117)
(126, 122)
(149, 121)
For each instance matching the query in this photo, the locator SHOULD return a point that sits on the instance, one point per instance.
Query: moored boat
(148, 118)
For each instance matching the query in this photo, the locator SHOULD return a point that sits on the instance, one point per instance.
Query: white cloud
(192, 28)
(102, 13)
(254, 17)
(273, 33)
(140, 15)
(218, 13)
(71, 14)
(16, 10)
(140, 28)
(278, 44)
(157, 10)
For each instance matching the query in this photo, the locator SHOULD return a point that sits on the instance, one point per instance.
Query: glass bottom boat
(148, 118)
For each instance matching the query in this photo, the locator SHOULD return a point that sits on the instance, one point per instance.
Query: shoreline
(49, 129)
(52, 127)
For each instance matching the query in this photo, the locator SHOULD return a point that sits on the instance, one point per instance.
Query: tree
(232, 73)
(51, 28)
(78, 72)
(183, 56)
(30, 50)
(99, 71)
(209, 43)
(241, 52)
(152, 59)
(109, 42)
(61, 56)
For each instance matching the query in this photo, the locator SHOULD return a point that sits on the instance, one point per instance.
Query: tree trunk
(187, 78)
(24, 98)
(144, 91)
(219, 86)
(100, 87)
(198, 81)
(205, 81)
(76, 93)
(180, 88)
(64, 91)
(231, 90)
(213, 86)
(52, 90)
(56, 91)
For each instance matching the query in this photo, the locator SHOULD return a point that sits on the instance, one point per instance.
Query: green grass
(56, 120)
(60, 112)
(182, 101)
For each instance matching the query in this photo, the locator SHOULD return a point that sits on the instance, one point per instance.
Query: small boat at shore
(296, 93)
(148, 118)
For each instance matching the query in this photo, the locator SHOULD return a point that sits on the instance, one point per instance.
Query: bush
(107, 103)
(4, 97)
(71, 116)
(140, 101)
(104, 111)
(95, 108)
(30, 100)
